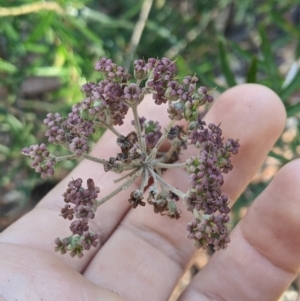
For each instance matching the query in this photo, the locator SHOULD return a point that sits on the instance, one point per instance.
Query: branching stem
(103, 123)
(170, 187)
(127, 175)
(153, 176)
(124, 186)
(166, 165)
(168, 155)
(63, 158)
(162, 138)
(152, 156)
(94, 159)
(145, 178)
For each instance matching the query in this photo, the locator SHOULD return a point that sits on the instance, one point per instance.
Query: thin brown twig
(138, 30)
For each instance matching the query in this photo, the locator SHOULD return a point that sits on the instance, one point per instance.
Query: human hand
(141, 254)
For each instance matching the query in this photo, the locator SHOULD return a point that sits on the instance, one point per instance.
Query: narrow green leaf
(182, 67)
(242, 10)
(7, 66)
(244, 54)
(65, 34)
(282, 159)
(15, 126)
(286, 26)
(13, 36)
(160, 31)
(105, 20)
(292, 87)
(10, 30)
(81, 26)
(132, 11)
(210, 83)
(49, 71)
(269, 61)
(252, 71)
(293, 109)
(41, 27)
(4, 150)
(37, 48)
(225, 67)
(297, 51)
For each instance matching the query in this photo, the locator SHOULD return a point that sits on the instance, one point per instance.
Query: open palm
(142, 255)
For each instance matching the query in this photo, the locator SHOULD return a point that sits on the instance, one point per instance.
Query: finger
(264, 255)
(41, 226)
(28, 274)
(256, 116)
(147, 253)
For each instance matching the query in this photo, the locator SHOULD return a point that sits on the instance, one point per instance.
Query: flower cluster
(73, 130)
(41, 160)
(79, 204)
(140, 155)
(161, 73)
(186, 99)
(112, 70)
(163, 203)
(206, 178)
(209, 230)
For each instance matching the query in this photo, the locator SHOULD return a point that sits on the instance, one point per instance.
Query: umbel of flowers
(105, 105)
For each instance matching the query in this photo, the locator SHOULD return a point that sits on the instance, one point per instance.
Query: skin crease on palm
(142, 255)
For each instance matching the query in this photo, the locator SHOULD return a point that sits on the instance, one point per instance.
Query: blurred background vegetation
(48, 49)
